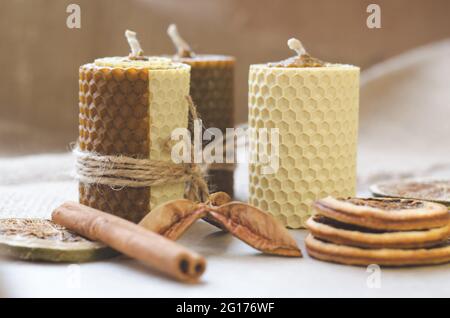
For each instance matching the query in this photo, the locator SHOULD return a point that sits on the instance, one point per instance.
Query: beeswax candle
(129, 106)
(212, 81)
(315, 107)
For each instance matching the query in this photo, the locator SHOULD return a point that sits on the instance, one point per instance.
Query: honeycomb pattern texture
(212, 90)
(316, 112)
(128, 111)
(168, 110)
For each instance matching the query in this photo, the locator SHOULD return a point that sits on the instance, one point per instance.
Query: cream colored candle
(315, 107)
(129, 106)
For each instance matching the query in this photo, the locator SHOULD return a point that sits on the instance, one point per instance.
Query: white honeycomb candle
(315, 107)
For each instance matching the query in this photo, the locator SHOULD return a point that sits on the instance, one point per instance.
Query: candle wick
(297, 46)
(136, 50)
(184, 50)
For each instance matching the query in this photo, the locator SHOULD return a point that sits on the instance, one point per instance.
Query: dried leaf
(256, 228)
(173, 218)
(217, 199)
(251, 225)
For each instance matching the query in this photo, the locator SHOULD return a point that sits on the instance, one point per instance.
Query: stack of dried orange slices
(388, 231)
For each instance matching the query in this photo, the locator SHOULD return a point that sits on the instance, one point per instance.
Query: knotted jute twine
(122, 171)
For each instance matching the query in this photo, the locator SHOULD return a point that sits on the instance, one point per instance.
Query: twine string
(124, 171)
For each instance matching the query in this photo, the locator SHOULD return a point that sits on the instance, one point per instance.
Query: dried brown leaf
(249, 224)
(256, 228)
(173, 218)
(218, 199)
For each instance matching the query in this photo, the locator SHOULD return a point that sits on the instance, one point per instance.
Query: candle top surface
(301, 60)
(304, 60)
(326, 66)
(149, 62)
(202, 58)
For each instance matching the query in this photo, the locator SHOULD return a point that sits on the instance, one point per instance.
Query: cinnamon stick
(132, 240)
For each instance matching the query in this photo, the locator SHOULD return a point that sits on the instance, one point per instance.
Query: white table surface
(234, 270)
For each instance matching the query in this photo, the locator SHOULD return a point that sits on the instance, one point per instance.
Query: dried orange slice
(342, 254)
(390, 214)
(352, 235)
(421, 189)
(43, 240)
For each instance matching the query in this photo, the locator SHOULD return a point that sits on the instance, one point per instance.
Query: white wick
(136, 49)
(297, 46)
(177, 40)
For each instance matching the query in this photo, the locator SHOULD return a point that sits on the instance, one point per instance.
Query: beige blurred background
(40, 55)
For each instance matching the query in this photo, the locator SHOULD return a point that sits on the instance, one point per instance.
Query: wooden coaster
(420, 189)
(340, 233)
(387, 214)
(385, 257)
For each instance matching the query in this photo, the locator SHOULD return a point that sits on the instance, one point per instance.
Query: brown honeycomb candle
(212, 90)
(129, 107)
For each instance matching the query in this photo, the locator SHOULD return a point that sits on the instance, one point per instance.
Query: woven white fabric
(404, 121)
(35, 199)
(32, 186)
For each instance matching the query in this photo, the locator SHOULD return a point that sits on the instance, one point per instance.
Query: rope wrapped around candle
(123, 171)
